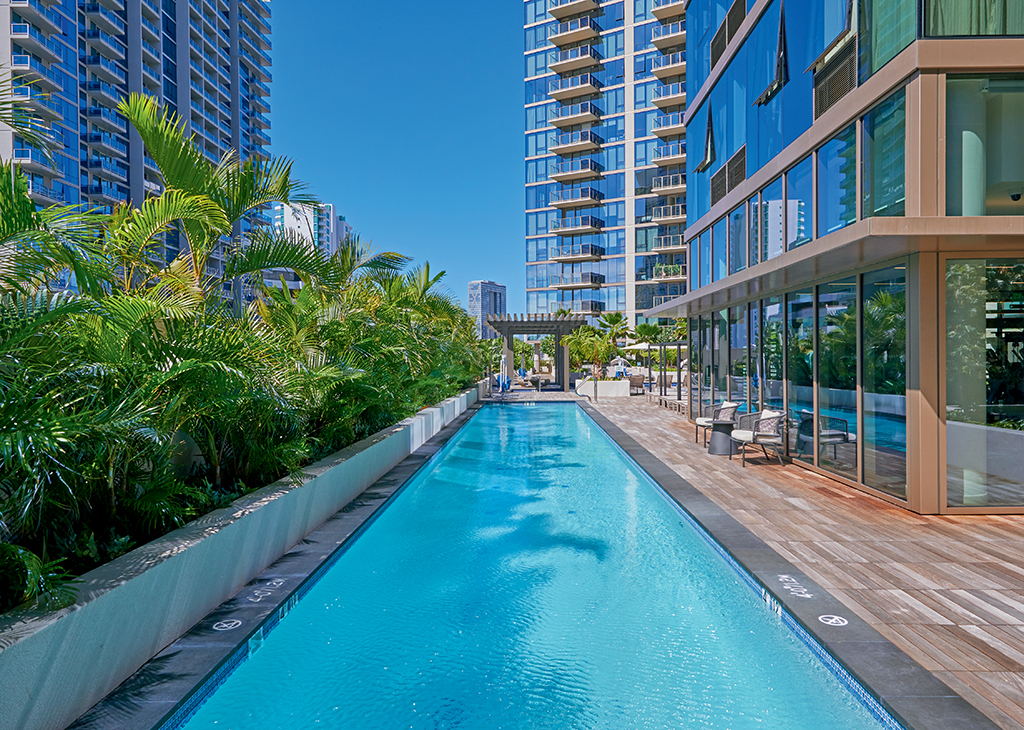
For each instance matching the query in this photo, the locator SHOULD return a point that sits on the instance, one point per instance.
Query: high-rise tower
(605, 155)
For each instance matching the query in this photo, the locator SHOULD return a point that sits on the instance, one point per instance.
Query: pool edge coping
(914, 696)
(257, 608)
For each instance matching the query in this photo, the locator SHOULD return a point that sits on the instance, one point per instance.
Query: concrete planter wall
(55, 665)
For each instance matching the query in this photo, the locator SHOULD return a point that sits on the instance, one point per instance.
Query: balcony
(567, 116)
(106, 44)
(586, 280)
(575, 198)
(669, 125)
(105, 194)
(115, 5)
(37, 102)
(559, 9)
(106, 143)
(669, 244)
(575, 170)
(673, 64)
(670, 154)
(33, 71)
(665, 9)
(574, 31)
(586, 306)
(33, 161)
(104, 119)
(103, 18)
(660, 299)
(573, 59)
(577, 225)
(669, 184)
(666, 36)
(106, 169)
(667, 215)
(152, 188)
(563, 89)
(38, 14)
(43, 195)
(570, 142)
(104, 68)
(32, 40)
(576, 252)
(669, 95)
(669, 272)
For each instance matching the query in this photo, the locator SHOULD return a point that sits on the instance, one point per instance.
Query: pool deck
(947, 590)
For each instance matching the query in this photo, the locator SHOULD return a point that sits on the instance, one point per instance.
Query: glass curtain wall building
(605, 155)
(856, 249)
(207, 60)
(485, 297)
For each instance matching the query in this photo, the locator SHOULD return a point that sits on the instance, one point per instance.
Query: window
(781, 64)
(772, 220)
(799, 205)
(721, 252)
(800, 373)
(889, 26)
(837, 182)
(837, 377)
(975, 18)
(709, 146)
(738, 239)
(884, 152)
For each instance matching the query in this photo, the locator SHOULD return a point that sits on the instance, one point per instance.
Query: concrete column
(562, 358)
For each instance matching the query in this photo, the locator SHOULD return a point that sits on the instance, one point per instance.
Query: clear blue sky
(408, 116)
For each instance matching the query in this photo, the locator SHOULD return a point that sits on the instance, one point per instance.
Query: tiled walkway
(947, 590)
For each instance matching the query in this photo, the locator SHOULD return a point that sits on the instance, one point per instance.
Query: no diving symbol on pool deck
(227, 625)
(829, 620)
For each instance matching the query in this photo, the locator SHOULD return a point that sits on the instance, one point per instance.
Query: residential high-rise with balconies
(605, 155)
(207, 60)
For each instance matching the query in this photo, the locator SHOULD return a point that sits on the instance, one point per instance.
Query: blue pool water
(532, 577)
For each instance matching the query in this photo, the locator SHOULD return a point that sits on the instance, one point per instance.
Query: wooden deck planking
(948, 590)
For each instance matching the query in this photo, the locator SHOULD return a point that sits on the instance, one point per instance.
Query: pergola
(556, 325)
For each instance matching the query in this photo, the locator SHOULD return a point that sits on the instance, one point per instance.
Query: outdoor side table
(721, 442)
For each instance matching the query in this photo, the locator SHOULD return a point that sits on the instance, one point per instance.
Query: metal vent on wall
(729, 175)
(726, 31)
(836, 79)
(718, 44)
(734, 18)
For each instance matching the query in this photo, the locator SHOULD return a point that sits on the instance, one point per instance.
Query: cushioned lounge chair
(759, 429)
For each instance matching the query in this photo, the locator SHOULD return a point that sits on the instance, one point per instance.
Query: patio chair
(759, 429)
(832, 431)
(636, 385)
(709, 414)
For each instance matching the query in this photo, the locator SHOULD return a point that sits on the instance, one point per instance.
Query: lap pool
(532, 576)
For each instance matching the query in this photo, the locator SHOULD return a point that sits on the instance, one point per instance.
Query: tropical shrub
(161, 390)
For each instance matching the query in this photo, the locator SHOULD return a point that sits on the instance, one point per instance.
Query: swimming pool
(532, 576)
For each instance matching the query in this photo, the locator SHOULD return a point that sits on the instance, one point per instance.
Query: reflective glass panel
(884, 365)
(772, 337)
(755, 230)
(799, 202)
(738, 239)
(837, 377)
(721, 252)
(800, 373)
(772, 209)
(884, 153)
(738, 357)
(984, 382)
(754, 359)
(837, 182)
(721, 356)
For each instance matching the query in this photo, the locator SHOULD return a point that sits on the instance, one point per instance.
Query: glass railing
(668, 181)
(97, 9)
(31, 155)
(671, 59)
(94, 112)
(150, 27)
(102, 87)
(568, 196)
(667, 3)
(664, 31)
(574, 82)
(669, 211)
(40, 10)
(583, 307)
(53, 194)
(108, 141)
(664, 151)
(27, 94)
(108, 191)
(660, 299)
(668, 120)
(104, 63)
(571, 166)
(572, 54)
(576, 222)
(575, 110)
(586, 136)
(581, 279)
(149, 162)
(571, 25)
(152, 6)
(669, 271)
(24, 29)
(575, 250)
(675, 241)
(100, 163)
(660, 92)
(98, 36)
